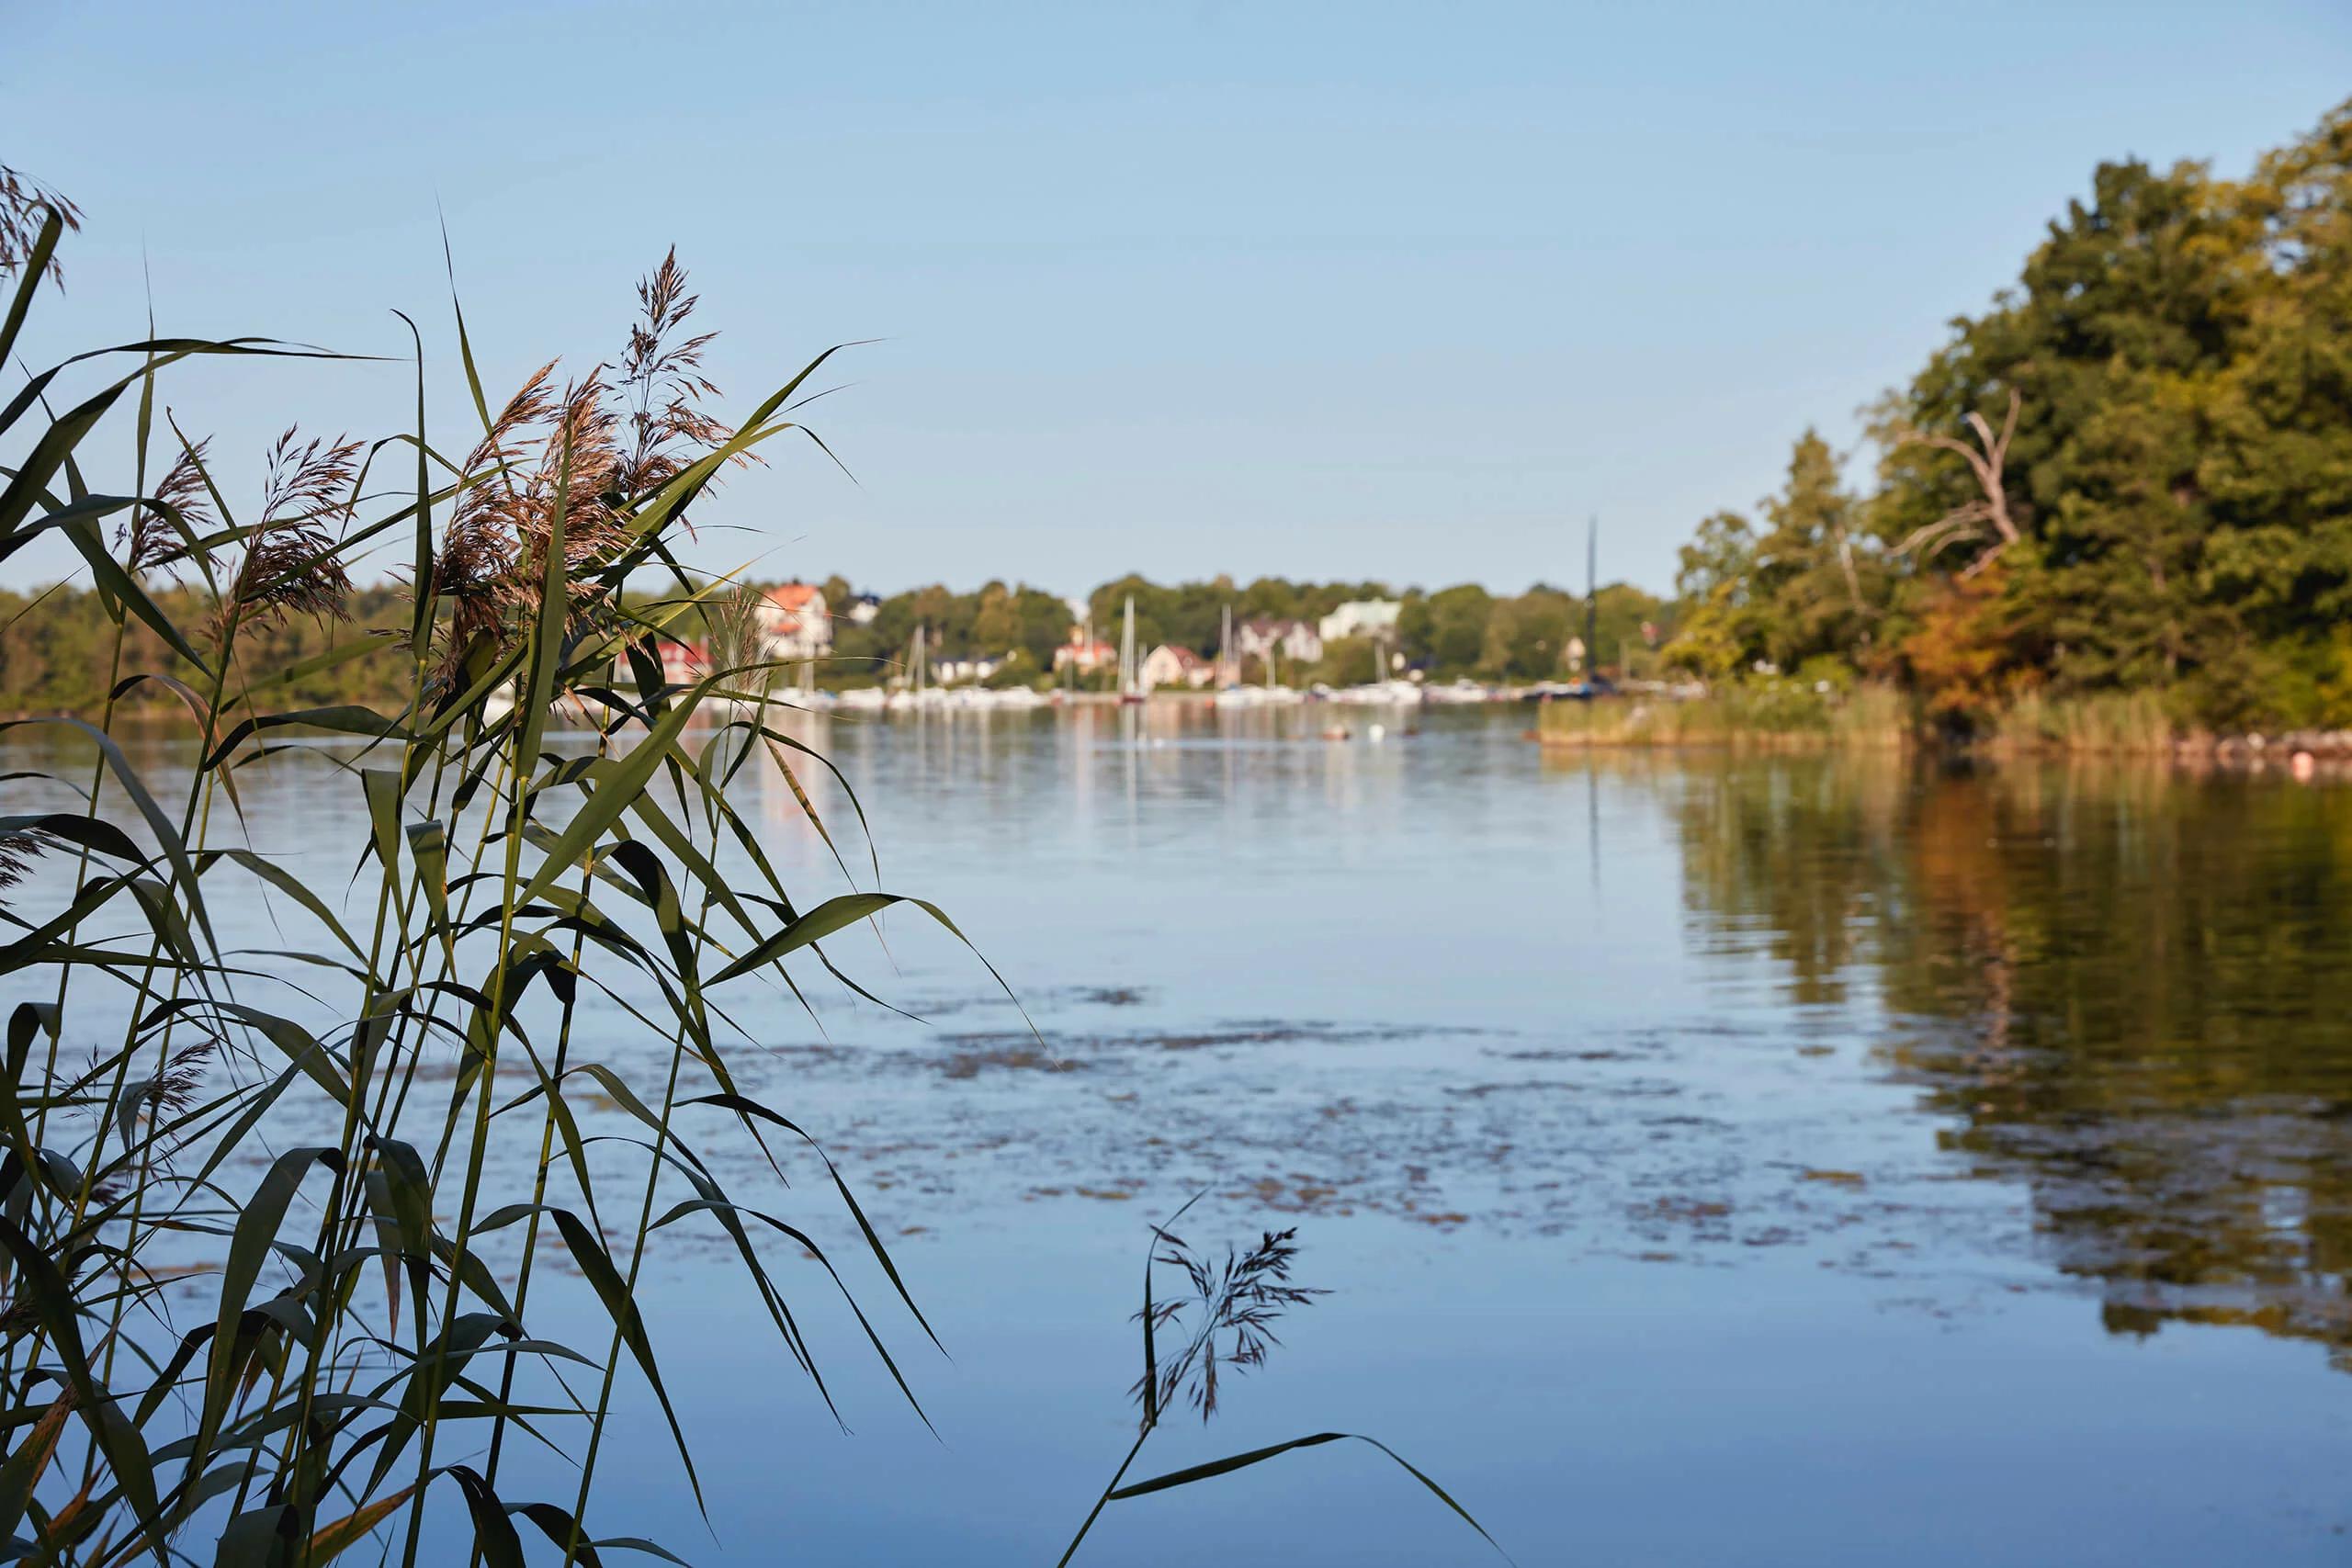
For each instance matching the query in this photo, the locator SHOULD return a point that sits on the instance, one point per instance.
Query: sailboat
(1130, 671)
(1592, 685)
(916, 695)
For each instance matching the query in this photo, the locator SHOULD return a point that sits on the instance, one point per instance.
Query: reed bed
(1776, 716)
(359, 1369)
(278, 1226)
(2131, 723)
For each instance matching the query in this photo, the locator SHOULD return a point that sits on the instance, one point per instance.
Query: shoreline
(2300, 752)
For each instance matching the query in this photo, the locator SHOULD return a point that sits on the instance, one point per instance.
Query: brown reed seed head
(148, 541)
(19, 849)
(174, 1088)
(24, 205)
(493, 566)
(661, 386)
(605, 444)
(1230, 1311)
(292, 564)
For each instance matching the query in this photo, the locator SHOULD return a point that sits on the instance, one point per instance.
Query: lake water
(1712, 1160)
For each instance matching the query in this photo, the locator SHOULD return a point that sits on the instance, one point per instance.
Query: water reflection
(1743, 1128)
(2128, 988)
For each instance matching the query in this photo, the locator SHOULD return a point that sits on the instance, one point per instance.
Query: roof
(793, 595)
(1185, 657)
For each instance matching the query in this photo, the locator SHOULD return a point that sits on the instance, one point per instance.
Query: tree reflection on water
(2130, 988)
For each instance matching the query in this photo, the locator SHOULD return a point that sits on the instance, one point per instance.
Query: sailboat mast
(1127, 651)
(1592, 601)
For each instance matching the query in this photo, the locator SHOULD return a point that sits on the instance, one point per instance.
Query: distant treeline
(2131, 474)
(56, 644)
(1458, 631)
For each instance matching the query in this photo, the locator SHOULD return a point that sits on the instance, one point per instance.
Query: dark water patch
(1565, 1054)
(971, 1063)
(1525, 1086)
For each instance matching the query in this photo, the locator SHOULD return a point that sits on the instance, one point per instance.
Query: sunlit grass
(1765, 714)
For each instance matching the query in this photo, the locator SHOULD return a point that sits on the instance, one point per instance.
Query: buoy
(1377, 732)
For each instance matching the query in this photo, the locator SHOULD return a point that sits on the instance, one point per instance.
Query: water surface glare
(1713, 1160)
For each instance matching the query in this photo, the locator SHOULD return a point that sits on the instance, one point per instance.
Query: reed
(1222, 1314)
(1777, 715)
(2117, 722)
(362, 1357)
(338, 1348)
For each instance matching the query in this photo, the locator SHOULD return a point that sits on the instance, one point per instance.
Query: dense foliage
(2134, 472)
(55, 642)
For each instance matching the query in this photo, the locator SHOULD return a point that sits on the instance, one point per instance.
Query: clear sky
(1352, 290)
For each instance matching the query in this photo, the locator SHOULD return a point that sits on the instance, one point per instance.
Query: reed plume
(19, 848)
(663, 386)
(1231, 1309)
(25, 206)
(293, 563)
(1228, 1308)
(149, 542)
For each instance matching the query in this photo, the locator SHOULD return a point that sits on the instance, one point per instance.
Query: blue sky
(1357, 290)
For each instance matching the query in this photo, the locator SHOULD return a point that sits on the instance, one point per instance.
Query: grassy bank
(1787, 717)
(1777, 716)
(2119, 722)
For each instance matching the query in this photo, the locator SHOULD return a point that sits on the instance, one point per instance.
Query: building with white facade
(1362, 617)
(794, 624)
(1170, 664)
(1261, 638)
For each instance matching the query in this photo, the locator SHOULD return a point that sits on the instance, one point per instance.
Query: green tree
(1527, 638)
(1447, 629)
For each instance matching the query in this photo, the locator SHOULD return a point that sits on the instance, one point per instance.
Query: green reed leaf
(589, 1256)
(249, 1247)
(1226, 1466)
(493, 1531)
(28, 279)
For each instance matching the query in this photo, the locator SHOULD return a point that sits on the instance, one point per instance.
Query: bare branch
(1987, 459)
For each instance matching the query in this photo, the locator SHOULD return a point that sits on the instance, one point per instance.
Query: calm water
(1773, 1160)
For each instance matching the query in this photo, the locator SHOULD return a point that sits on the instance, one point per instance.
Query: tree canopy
(2132, 471)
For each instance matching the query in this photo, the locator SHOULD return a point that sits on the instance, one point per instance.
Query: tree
(1808, 574)
(1811, 585)
(1527, 638)
(1447, 630)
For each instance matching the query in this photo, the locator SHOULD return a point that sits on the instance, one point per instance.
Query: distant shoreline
(1882, 720)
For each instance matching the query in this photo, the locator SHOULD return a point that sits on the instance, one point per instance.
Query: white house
(1170, 665)
(951, 671)
(863, 608)
(1362, 617)
(793, 623)
(1261, 637)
